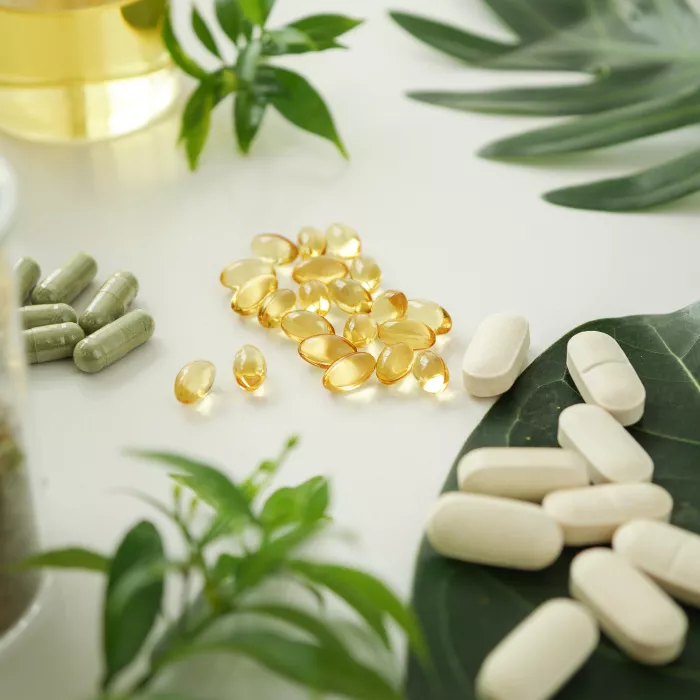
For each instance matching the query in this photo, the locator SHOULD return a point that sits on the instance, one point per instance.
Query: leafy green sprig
(246, 540)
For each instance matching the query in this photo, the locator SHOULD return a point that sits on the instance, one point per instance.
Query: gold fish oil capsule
(430, 372)
(430, 313)
(321, 268)
(366, 271)
(349, 372)
(246, 301)
(360, 329)
(414, 333)
(238, 273)
(274, 248)
(194, 381)
(324, 350)
(311, 242)
(275, 306)
(249, 368)
(389, 306)
(313, 296)
(299, 325)
(350, 296)
(343, 241)
(394, 363)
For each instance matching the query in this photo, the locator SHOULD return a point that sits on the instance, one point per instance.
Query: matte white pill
(496, 355)
(526, 473)
(630, 608)
(611, 453)
(494, 531)
(669, 554)
(591, 515)
(604, 376)
(541, 654)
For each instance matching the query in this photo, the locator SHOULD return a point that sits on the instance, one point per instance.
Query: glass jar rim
(8, 197)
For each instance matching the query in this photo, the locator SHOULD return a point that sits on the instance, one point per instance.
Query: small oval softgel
(313, 296)
(311, 242)
(525, 473)
(343, 241)
(300, 324)
(430, 371)
(112, 300)
(275, 306)
(611, 453)
(66, 283)
(273, 248)
(238, 273)
(394, 363)
(666, 553)
(630, 608)
(433, 315)
(494, 531)
(324, 350)
(349, 372)
(46, 315)
(49, 343)
(604, 376)
(350, 296)
(389, 306)
(496, 355)
(367, 272)
(414, 333)
(360, 329)
(27, 273)
(590, 515)
(247, 299)
(194, 381)
(321, 268)
(249, 368)
(541, 654)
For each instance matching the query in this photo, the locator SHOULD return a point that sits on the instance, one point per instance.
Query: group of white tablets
(519, 506)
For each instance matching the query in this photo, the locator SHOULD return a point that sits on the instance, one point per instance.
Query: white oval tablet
(630, 608)
(540, 655)
(611, 453)
(669, 554)
(591, 515)
(496, 355)
(604, 376)
(526, 473)
(494, 531)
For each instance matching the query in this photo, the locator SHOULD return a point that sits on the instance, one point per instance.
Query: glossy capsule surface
(67, 282)
(299, 325)
(238, 273)
(311, 242)
(431, 372)
(433, 315)
(194, 381)
(343, 241)
(366, 271)
(394, 363)
(48, 343)
(349, 372)
(249, 368)
(274, 248)
(324, 350)
(111, 301)
(275, 306)
(350, 296)
(360, 329)
(414, 333)
(46, 315)
(313, 296)
(389, 306)
(320, 268)
(247, 300)
(27, 273)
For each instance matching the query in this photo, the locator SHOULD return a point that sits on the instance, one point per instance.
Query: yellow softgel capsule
(275, 306)
(324, 350)
(366, 271)
(321, 268)
(394, 363)
(246, 301)
(349, 372)
(350, 296)
(415, 334)
(433, 315)
(249, 368)
(313, 296)
(360, 329)
(389, 306)
(311, 242)
(274, 248)
(299, 325)
(238, 273)
(430, 372)
(194, 381)
(343, 241)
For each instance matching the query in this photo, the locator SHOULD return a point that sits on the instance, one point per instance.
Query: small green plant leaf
(230, 18)
(288, 40)
(143, 14)
(540, 18)
(68, 558)
(256, 11)
(324, 28)
(177, 53)
(196, 120)
(267, 470)
(248, 114)
(203, 33)
(226, 567)
(304, 503)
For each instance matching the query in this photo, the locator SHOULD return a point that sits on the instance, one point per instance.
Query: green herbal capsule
(111, 302)
(113, 341)
(64, 284)
(27, 273)
(48, 343)
(46, 315)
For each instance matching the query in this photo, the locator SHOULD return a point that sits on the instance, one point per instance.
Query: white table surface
(444, 225)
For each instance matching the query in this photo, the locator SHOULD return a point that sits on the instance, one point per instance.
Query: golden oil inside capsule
(275, 306)
(349, 372)
(321, 268)
(299, 325)
(394, 363)
(324, 350)
(343, 241)
(311, 242)
(366, 271)
(248, 298)
(238, 273)
(249, 368)
(313, 296)
(389, 306)
(430, 313)
(414, 333)
(194, 381)
(431, 372)
(360, 329)
(350, 296)
(274, 248)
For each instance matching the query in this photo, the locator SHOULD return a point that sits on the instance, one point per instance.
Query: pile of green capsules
(103, 334)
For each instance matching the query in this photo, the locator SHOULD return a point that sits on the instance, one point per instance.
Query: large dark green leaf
(536, 19)
(248, 114)
(177, 53)
(467, 609)
(230, 18)
(203, 33)
(69, 558)
(324, 28)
